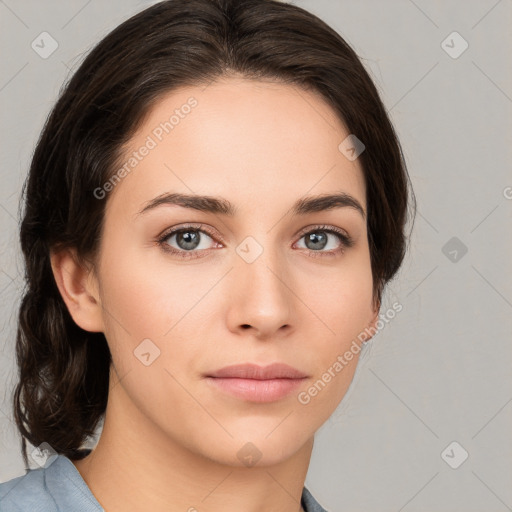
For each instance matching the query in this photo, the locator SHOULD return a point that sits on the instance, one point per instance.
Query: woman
(213, 210)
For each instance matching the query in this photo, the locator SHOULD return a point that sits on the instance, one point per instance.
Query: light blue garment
(61, 488)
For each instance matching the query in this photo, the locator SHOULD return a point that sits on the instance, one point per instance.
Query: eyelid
(322, 227)
(193, 227)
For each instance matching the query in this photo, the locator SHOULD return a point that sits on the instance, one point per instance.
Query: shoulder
(27, 492)
(55, 488)
(309, 503)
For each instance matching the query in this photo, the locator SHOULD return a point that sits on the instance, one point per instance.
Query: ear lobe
(78, 288)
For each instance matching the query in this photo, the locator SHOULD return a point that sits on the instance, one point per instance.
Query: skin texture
(170, 440)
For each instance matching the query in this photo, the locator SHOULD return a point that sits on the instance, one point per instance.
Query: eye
(330, 237)
(190, 240)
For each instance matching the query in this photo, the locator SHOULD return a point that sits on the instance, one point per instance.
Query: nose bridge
(261, 296)
(262, 268)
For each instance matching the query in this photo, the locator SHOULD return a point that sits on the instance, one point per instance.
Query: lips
(255, 383)
(252, 371)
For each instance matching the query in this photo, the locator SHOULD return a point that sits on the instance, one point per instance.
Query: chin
(252, 447)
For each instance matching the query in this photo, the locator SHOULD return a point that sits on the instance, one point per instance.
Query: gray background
(440, 371)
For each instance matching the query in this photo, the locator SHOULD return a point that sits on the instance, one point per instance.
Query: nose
(261, 298)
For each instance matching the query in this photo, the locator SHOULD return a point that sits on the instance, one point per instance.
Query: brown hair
(63, 381)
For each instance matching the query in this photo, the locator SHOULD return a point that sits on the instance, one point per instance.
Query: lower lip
(256, 390)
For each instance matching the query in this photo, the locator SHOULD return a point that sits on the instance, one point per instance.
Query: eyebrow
(219, 205)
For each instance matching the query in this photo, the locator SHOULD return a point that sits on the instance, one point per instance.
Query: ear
(78, 287)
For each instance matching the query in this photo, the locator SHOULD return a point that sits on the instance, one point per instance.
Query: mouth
(255, 383)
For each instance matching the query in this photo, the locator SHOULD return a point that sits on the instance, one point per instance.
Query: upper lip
(253, 371)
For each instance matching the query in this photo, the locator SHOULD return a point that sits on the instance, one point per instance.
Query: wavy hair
(63, 371)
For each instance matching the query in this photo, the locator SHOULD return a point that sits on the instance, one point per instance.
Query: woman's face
(268, 282)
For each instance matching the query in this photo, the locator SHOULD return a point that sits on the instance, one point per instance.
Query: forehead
(246, 140)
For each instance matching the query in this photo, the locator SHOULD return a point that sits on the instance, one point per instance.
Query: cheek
(341, 299)
(152, 300)
(145, 297)
(147, 294)
(334, 346)
(340, 304)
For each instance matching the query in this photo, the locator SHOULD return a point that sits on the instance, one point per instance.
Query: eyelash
(346, 241)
